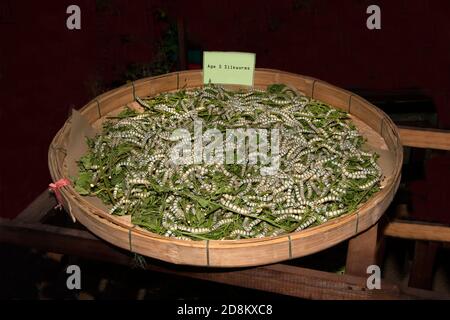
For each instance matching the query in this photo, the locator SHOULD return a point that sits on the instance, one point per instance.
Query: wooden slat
(362, 252)
(421, 275)
(59, 240)
(417, 231)
(38, 209)
(425, 138)
(423, 294)
(298, 282)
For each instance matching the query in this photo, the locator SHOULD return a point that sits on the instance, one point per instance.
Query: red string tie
(55, 188)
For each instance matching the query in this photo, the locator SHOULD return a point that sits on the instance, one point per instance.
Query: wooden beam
(425, 138)
(423, 294)
(38, 209)
(297, 282)
(421, 275)
(59, 240)
(362, 252)
(417, 231)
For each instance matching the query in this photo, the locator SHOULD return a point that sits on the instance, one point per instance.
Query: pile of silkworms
(323, 171)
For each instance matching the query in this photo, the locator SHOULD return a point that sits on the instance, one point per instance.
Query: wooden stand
(362, 252)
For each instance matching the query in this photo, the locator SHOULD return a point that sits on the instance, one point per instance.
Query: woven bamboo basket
(375, 125)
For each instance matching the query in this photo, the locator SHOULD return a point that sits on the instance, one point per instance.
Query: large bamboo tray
(374, 124)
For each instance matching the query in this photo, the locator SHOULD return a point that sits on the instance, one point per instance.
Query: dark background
(46, 69)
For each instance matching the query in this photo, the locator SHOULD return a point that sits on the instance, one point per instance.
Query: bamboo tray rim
(389, 189)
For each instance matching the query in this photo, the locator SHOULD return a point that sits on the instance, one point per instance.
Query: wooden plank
(421, 275)
(297, 282)
(417, 231)
(38, 209)
(362, 252)
(59, 240)
(425, 138)
(301, 282)
(423, 294)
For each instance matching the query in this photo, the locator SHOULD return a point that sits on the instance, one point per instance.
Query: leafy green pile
(323, 171)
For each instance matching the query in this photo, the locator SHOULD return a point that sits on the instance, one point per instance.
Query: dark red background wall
(46, 69)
